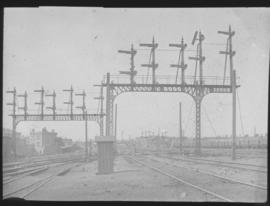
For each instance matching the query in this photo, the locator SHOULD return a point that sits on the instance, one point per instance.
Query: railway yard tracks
(240, 182)
(47, 169)
(217, 187)
(234, 165)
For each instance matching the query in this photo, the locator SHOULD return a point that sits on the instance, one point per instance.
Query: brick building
(45, 142)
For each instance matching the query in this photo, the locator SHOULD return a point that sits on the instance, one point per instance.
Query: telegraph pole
(53, 107)
(86, 138)
(234, 115)
(41, 101)
(183, 66)
(180, 129)
(83, 108)
(70, 101)
(24, 108)
(154, 66)
(231, 53)
(13, 104)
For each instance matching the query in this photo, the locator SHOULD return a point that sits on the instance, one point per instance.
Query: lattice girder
(192, 90)
(57, 117)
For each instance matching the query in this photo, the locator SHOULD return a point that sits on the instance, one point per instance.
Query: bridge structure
(71, 116)
(197, 86)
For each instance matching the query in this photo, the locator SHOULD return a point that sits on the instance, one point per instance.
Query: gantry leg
(109, 108)
(109, 112)
(198, 126)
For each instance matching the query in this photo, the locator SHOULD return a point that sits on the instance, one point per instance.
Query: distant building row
(37, 143)
(257, 141)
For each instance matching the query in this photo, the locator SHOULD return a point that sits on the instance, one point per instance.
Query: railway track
(264, 187)
(9, 179)
(38, 160)
(234, 165)
(223, 152)
(17, 171)
(26, 190)
(217, 187)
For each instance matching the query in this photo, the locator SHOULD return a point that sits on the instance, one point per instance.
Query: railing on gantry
(170, 79)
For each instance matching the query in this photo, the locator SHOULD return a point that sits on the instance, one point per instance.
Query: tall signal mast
(183, 66)
(153, 65)
(132, 73)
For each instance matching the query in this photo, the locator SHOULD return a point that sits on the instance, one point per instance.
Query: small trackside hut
(105, 147)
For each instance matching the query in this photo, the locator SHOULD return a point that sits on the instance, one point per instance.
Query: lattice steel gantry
(17, 118)
(189, 84)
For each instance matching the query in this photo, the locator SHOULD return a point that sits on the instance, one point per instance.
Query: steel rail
(35, 162)
(49, 179)
(225, 162)
(25, 168)
(40, 159)
(41, 169)
(42, 181)
(46, 180)
(183, 181)
(32, 172)
(214, 163)
(218, 176)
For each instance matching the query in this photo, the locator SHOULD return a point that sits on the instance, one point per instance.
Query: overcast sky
(56, 47)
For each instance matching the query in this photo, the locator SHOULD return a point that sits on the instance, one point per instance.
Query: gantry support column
(109, 108)
(198, 100)
(106, 144)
